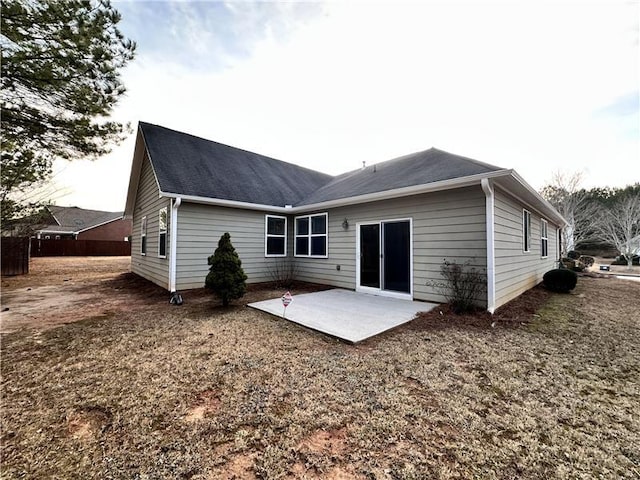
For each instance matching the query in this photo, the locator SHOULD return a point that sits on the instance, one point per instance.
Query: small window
(526, 230)
(143, 236)
(275, 236)
(311, 236)
(162, 233)
(544, 239)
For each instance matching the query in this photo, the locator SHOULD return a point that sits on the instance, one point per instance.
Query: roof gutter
(369, 197)
(58, 232)
(225, 203)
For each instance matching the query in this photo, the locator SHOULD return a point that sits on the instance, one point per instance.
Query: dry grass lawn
(145, 390)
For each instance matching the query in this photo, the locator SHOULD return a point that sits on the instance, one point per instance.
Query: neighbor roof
(74, 219)
(189, 165)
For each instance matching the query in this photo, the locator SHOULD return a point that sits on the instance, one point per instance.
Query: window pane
(319, 224)
(526, 220)
(163, 219)
(319, 245)
(302, 246)
(143, 248)
(275, 226)
(302, 226)
(162, 248)
(275, 246)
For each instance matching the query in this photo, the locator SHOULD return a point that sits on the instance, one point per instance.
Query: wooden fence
(79, 248)
(15, 255)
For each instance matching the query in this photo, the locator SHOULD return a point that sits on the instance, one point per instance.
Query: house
(81, 224)
(384, 229)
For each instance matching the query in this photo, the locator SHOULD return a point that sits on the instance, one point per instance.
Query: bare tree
(619, 225)
(574, 204)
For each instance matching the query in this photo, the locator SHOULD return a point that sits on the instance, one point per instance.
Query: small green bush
(573, 255)
(560, 280)
(226, 277)
(575, 265)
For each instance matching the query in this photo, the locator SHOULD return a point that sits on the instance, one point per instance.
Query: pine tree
(61, 63)
(226, 277)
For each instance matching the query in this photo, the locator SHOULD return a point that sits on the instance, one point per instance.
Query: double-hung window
(143, 236)
(526, 231)
(275, 244)
(162, 233)
(311, 236)
(544, 238)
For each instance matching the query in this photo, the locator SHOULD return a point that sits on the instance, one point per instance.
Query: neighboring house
(384, 229)
(81, 224)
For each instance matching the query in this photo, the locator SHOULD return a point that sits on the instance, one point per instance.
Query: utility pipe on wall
(173, 252)
(487, 187)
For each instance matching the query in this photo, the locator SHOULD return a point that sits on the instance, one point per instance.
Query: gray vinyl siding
(516, 270)
(199, 229)
(449, 224)
(149, 266)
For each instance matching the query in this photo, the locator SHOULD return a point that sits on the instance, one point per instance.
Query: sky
(537, 86)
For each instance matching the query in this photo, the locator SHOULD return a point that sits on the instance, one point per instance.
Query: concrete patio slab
(348, 315)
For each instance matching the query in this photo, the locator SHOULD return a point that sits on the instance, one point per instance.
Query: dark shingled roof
(419, 168)
(189, 165)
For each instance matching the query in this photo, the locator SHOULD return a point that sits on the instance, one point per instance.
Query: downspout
(176, 298)
(491, 256)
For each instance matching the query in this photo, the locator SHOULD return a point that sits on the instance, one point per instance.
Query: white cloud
(519, 85)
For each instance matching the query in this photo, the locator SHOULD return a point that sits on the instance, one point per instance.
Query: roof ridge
(479, 162)
(83, 209)
(398, 171)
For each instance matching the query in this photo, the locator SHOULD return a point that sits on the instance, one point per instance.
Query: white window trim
(544, 236)
(311, 235)
(267, 235)
(166, 231)
(143, 235)
(526, 239)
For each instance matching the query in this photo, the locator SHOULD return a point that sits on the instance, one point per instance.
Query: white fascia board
(100, 224)
(134, 177)
(54, 217)
(369, 197)
(405, 191)
(136, 171)
(547, 209)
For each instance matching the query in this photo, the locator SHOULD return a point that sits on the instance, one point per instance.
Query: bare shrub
(283, 272)
(462, 286)
(588, 261)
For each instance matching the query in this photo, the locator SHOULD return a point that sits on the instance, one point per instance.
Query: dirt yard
(102, 378)
(61, 290)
